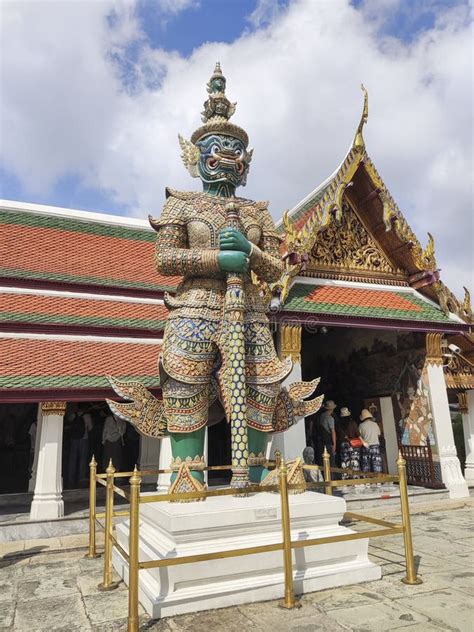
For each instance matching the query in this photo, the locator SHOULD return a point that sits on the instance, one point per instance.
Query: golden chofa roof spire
(359, 143)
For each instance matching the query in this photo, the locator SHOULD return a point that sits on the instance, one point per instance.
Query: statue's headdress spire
(215, 117)
(218, 110)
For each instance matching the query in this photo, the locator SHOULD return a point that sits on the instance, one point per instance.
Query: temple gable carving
(347, 246)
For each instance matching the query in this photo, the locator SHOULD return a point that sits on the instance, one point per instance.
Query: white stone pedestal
(220, 523)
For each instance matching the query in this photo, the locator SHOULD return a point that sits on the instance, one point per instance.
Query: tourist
(310, 476)
(112, 440)
(350, 443)
(370, 435)
(324, 433)
(79, 426)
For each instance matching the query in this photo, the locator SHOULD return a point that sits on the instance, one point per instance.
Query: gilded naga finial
(359, 143)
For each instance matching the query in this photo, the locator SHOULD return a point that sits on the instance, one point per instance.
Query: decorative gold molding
(198, 463)
(462, 401)
(53, 408)
(449, 303)
(348, 246)
(459, 374)
(434, 350)
(290, 342)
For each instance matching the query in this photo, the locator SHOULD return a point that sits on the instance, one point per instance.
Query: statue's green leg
(184, 444)
(257, 445)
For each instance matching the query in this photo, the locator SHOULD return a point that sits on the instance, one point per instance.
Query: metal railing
(135, 499)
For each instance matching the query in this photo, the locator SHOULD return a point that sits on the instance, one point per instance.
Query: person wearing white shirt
(370, 434)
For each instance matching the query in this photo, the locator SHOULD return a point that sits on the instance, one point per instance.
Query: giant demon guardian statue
(218, 357)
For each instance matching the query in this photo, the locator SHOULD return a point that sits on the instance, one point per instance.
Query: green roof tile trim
(75, 225)
(62, 381)
(296, 303)
(94, 321)
(87, 280)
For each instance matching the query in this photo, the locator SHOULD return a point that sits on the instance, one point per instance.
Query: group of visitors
(91, 429)
(350, 445)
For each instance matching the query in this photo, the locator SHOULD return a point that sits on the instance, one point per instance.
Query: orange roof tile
(34, 363)
(60, 310)
(78, 252)
(361, 297)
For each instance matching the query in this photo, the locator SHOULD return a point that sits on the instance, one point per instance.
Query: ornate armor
(218, 357)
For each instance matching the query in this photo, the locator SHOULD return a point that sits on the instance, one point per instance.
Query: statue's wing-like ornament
(190, 155)
(144, 412)
(291, 404)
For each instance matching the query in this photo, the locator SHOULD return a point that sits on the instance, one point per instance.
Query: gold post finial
(359, 143)
(93, 461)
(135, 478)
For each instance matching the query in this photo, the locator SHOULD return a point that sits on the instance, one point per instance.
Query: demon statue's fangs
(218, 357)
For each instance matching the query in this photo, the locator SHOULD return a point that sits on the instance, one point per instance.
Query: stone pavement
(48, 585)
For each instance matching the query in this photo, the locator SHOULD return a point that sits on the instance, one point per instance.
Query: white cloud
(65, 108)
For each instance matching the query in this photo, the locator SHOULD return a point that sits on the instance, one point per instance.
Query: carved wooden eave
(459, 371)
(355, 195)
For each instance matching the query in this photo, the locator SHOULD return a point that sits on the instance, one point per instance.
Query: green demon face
(223, 159)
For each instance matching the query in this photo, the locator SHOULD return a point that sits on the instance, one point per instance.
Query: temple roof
(387, 250)
(36, 310)
(45, 364)
(61, 247)
(336, 302)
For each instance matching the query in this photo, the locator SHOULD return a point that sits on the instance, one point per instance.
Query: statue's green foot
(257, 473)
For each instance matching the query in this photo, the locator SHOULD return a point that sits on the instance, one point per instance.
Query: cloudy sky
(95, 93)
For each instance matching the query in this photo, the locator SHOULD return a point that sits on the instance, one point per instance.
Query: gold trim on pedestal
(53, 408)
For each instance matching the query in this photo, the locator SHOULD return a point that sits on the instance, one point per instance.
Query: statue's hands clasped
(232, 239)
(235, 251)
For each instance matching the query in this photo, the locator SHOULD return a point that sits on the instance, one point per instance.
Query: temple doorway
(17, 445)
(84, 436)
(380, 370)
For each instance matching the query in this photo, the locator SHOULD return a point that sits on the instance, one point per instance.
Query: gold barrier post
(108, 584)
(289, 600)
(133, 561)
(327, 471)
(91, 553)
(411, 577)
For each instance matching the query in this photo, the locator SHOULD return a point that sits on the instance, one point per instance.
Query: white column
(148, 457)
(389, 433)
(467, 412)
(292, 442)
(47, 500)
(450, 467)
(34, 467)
(164, 462)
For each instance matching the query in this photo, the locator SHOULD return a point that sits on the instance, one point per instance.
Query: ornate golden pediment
(347, 246)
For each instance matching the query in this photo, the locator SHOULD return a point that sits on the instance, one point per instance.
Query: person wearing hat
(370, 435)
(324, 433)
(350, 442)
